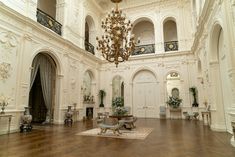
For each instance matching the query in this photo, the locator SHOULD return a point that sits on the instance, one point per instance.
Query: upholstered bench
(129, 123)
(110, 124)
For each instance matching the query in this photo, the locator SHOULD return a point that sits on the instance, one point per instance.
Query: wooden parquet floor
(170, 138)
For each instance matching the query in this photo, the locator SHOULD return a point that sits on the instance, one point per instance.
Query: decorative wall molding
(8, 40)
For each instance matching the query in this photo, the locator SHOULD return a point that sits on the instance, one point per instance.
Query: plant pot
(3, 108)
(101, 105)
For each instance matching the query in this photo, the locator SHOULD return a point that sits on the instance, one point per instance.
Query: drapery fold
(47, 73)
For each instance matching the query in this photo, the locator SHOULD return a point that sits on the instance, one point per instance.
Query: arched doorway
(42, 88)
(145, 95)
(221, 96)
(173, 85)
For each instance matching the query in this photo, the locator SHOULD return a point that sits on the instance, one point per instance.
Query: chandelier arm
(116, 44)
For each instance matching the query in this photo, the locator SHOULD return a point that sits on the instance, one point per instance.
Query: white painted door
(150, 100)
(145, 95)
(139, 100)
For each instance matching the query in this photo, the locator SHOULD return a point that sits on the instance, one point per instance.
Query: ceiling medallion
(117, 43)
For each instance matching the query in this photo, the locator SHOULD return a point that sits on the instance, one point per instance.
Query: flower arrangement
(174, 102)
(118, 106)
(4, 102)
(118, 102)
(120, 111)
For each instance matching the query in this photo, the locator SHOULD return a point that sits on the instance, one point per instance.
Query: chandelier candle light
(117, 43)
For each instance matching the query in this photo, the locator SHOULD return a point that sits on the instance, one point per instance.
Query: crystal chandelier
(117, 43)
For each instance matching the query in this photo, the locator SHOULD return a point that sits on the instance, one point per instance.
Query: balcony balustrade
(171, 46)
(89, 47)
(49, 22)
(144, 49)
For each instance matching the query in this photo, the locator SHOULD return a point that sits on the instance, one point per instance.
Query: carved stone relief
(5, 69)
(8, 40)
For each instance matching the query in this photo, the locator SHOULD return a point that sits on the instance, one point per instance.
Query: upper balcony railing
(144, 49)
(48, 21)
(171, 46)
(89, 47)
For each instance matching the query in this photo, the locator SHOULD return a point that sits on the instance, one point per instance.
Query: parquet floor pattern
(170, 138)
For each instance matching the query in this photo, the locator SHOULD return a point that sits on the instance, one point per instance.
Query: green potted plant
(193, 90)
(174, 102)
(102, 94)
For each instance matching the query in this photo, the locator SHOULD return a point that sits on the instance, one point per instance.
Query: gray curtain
(34, 71)
(47, 72)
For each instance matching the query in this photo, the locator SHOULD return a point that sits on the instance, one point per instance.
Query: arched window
(90, 35)
(170, 35)
(46, 15)
(144, 36)
(48, 7)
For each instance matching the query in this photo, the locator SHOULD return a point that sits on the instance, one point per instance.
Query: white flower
(4, 100)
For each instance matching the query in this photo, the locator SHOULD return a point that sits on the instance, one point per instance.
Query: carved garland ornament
(8, 39)
(5, 69)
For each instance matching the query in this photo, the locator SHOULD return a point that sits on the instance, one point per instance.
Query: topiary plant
(102, 94)
(193, 90)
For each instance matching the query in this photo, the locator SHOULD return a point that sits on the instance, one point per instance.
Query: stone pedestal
(233, 138)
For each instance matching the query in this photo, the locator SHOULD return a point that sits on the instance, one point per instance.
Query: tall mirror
(173, 85)
(118, 87)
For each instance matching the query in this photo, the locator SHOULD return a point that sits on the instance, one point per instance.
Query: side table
(9, 120)
(206, 114)
(176, 111)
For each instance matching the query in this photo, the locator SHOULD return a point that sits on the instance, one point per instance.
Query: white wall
(21, 39)
(161, 67)
(213, 46)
